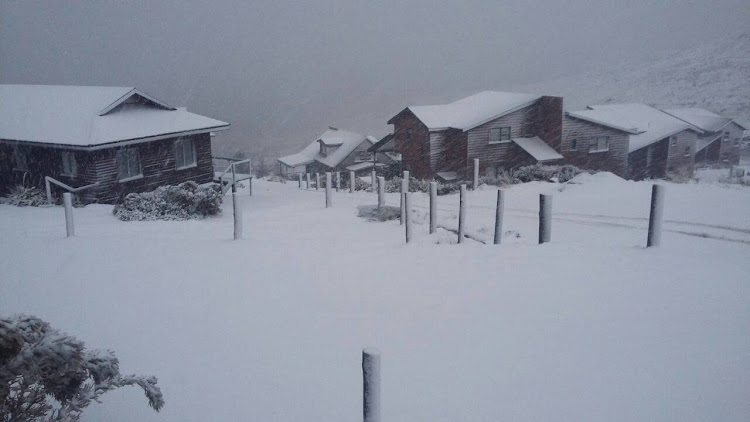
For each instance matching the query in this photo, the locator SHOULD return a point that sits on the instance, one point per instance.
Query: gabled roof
(87, 116)
(472, 111)
(385, 144)
(646, 125)
(701, 118)
(538, 149)
(345, 140)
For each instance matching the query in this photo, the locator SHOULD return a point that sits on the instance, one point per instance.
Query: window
(599, 144)
(673, 140)
(574, 144)
(687, 151)
(736, 142)
(128, 164)
(184, 151)
(408, 134)
(69, 164)
(529, 131)
(499, 134)
(322, 149)
(363, 156)
(725, 137)
(19, 159)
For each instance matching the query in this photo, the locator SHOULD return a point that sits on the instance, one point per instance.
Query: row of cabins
(118, 138)
(508, 130)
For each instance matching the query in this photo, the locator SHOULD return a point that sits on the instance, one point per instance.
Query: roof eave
(631, 131)
(505, 113)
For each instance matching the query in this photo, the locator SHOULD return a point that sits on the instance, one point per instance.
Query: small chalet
(721, 139)
(334, 150)
(631, 140)
(502, 129)
(120, 138)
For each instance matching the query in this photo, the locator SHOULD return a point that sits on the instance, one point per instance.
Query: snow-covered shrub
(275, 178)
(182, 202)
(541, 172)
(373, 213)
(448, 188)
(359, 184)
(23, 196)
(47, 375)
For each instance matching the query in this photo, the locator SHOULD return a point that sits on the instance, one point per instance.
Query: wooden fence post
(317, 181)
(373, 180)
(237, 215)
(433, 207)
(656, 216)
(68, 202)
(499, 216)
(329, 197)
(250, 185)
(381, 191)
(407, 208)
(545, 218)
(308, 181)
(462, 213)
(352, 181)
(404, 189)
(371, 384)
(476, 174)
(338, 181)
(299, 185)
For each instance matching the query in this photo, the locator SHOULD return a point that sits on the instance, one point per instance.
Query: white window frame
(495, 135)
(68, 164)
(20, 159)
(180, 150)
(595, 146)
(134, 169)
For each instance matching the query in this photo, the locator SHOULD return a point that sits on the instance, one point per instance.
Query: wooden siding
(413, 159)
(728, 153)
(585, 133)
(678, 162)
(638, 164)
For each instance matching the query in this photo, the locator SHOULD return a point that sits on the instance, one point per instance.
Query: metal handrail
(49, 180)
(231, 168)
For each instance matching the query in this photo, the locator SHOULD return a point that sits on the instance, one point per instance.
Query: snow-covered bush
(275, 178)
(185, 201)
(373, 213)
(47, 375)
(541, 172)
(23, 196)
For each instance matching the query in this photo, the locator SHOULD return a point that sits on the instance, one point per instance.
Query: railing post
(462, 213)
(407, 208)
(371, 384)
(329, 197)
(307, 179)
(499, 216)
(299, 185)
(237, 212)
(48, 187)
(373, 180)
(656, 216)
(545, 218)
(68, 202)
(433, 207)
(476, 174)
(338, 181)
(250, 185)
(404, 189)
(352, 181)
(381, 191)
(317, 181)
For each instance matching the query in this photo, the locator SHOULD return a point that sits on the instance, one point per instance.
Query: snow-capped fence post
(237, 215)
(476, 174)
(545, 218)
(407, 209)
(404, 189)
(433, 207)
(329, 196)
(299, 185)
(68, 202)
(499, 216)
(381, 191)
(308, 181)
(317, 181)
(338, 181)
(352, 181)
(462, 213)
(371, 384)
(656, 216)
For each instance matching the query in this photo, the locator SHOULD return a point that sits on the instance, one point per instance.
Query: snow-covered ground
(591, 326)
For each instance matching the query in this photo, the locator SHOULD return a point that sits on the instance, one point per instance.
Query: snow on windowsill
(194, 165)
(598, 150)
(499, 142)
(130, 179)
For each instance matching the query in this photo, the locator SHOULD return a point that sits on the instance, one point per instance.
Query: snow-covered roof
(702, 143)
(473, 110)
(363, 165)
(345, 141)
(701, 118)
(447, 176)
(87, 116)
(645, 124)
(538, 149)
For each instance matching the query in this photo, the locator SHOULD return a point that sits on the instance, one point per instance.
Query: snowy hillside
(589, 327)
(715, 76)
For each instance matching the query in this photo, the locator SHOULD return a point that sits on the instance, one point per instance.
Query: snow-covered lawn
(592, 326)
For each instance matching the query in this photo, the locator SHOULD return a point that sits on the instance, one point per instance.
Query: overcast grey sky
(282, 71)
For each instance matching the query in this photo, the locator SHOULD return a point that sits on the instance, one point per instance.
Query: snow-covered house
(385, 153)
(632, 140)
(721, 139)
(502, 129)
(118, 137)
(334, 150)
